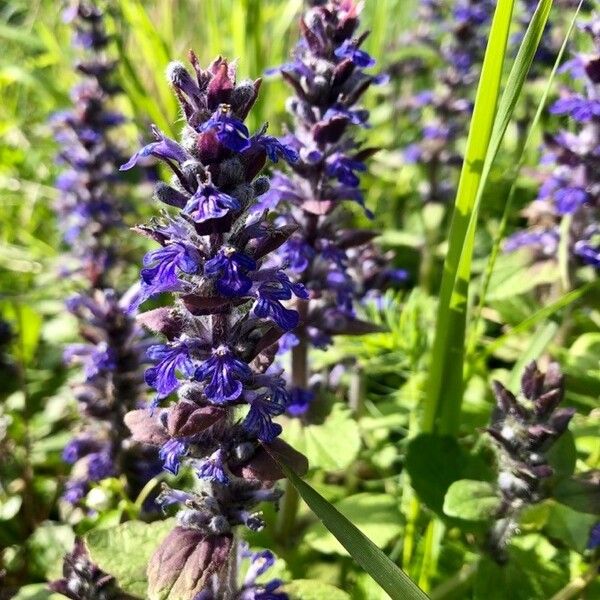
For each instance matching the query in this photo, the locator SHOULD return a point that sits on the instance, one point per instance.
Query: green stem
(574, 588)
(456, 584)
(291, 500)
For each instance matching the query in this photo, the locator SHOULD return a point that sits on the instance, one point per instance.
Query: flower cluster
(329, 76)
(572, 188)
(83, 580)
(113, 351)
(443, 111)
(524, 428)
(111, 359)
(88, 209)
(216, 259)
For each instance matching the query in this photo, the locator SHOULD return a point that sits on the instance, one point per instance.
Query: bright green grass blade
(485, 137)
(446, 349)
(508, 205)
(391, 578)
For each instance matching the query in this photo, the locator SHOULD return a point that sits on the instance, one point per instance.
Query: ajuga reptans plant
(334, 261)
(567, 209)
(458, 35)
(215, 259)
(91, 212)
(524, 429)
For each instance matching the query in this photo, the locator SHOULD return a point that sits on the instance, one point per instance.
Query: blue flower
(264, 406)
(231, 267)
(169, 358)
(213, 468)
(224, 375)
(300, 401)
(594, 540)
(297, 254)
(343, 169)
(170, 453)
(231, 132)
(75, 490)
(359, 57)
(268, 304)
(581, 109)
(99, 466)
(209, 203)
(276, 149)
(75, 449)
(165, 149)
(357, 116)
(589, 252)
(160, 272)
(569, 199)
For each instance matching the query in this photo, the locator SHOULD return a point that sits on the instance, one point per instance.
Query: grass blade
(391, 578)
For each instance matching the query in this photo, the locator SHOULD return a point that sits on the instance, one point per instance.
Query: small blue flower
(231, 132)
(231, 268)
(300, 401)
(75, 490)
(213, 468)
(171, 453)
(357, 116)
(581, 109)
(165, 149)
(275, 149)
(209, 203)
(569, 199)
(594, 540)
(76, 449)
(264, 406)
(268, 304)
(359, 57)
(99, 466)
(343, 169)
(297, 254)
(161, 267)
(169, 358)
(224, 375)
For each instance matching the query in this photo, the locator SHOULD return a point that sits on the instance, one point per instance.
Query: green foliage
(306, 589)
(135, 540)
(471, 500)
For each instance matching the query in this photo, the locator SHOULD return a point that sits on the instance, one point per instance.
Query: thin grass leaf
(541, 315)
(391, 578)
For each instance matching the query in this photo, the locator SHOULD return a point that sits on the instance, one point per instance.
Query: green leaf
(562, 456)
(376, 515)
(487, 129)
(308, 589)
(124, 551)
(531, 572)
(471, 500)
(47, 546)
(392, 579)
(433, 463)
(37, 591)
(569, 526)
(581, 494)
(332, 445)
